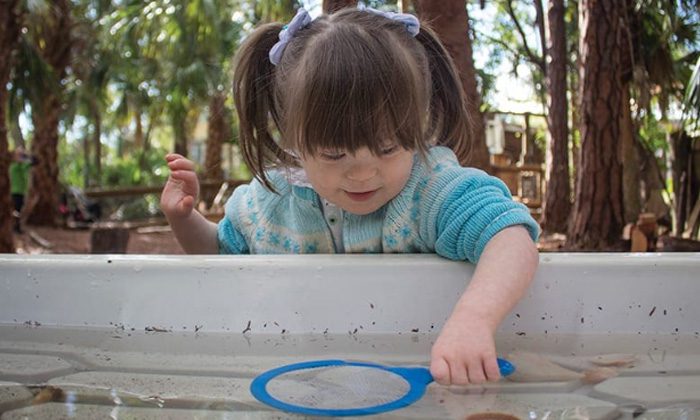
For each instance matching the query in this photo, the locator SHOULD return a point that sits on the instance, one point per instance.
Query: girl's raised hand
(181, 190)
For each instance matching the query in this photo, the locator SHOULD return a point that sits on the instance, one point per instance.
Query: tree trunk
(598, 214)
(16, 130)
(147, 141)
(9, 38)
(42, 203)
(54, 45)
(681, 156)
(574, 91)
(654, 186)
(557, 202)
(631, 175)
(219, 132)
(138, 131)
(86, 159)
(97, 145)
(330, 6)
(180, 129)
(106, 239)
(450, 21)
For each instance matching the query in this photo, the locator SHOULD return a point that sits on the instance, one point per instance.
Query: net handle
(422, 375)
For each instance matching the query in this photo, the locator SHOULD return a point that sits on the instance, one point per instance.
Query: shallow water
(48, 372)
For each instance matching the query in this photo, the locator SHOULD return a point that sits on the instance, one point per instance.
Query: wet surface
(49, 372)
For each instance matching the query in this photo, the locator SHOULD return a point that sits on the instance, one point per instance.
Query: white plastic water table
(181, 337)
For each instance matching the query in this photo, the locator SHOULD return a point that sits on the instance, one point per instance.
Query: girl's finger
(493, 373)
(440, 371)
(181, 164)
(186, 204)
(173, 156)
(458, 373)
(476, 372)
(188, 177)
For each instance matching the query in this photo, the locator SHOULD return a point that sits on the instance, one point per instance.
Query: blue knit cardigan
(444, 208)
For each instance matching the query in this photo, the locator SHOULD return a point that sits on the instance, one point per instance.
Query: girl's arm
(465, 351)
(194, 232)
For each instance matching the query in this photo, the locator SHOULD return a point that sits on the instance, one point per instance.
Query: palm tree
(10, 18)
(188, 46)
(49, 36)
(93, 64)
(662, 50)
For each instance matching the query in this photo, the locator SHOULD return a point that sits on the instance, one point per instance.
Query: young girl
(354, 127)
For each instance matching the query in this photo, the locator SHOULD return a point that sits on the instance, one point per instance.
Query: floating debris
(157, 329)
(599, 374)
(614, 360)
(533, 367)
(247, 328)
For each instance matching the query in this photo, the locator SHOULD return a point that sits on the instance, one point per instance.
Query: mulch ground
(77, 241)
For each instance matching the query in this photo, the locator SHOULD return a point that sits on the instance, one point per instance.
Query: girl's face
(362, 182)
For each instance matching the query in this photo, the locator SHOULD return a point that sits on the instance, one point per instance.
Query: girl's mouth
(361, 196)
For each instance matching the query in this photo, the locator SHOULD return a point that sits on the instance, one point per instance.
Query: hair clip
(411, 22)
(300, 21)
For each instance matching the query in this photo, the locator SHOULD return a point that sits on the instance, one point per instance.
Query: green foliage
(653, 135)
(72, 164)
(140, 208)
(142, 168)
(273, 10)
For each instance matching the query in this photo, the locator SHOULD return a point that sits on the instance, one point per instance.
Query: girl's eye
(332, 155)
(389, 150)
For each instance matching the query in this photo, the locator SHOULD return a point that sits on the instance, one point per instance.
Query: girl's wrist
(175, 217)
(465, 313)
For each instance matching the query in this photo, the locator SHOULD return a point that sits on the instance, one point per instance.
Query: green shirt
(19, 177)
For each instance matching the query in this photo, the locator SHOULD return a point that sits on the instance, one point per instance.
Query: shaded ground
(155, 240)
(77, 241)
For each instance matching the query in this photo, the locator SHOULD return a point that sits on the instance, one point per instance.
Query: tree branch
(500, 42)
(539, 21)
(534, 58)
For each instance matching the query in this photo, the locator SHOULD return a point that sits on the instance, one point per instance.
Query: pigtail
(449, 122)
(254, 98)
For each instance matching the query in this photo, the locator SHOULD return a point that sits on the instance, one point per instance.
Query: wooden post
(528, 155)
(108, 239)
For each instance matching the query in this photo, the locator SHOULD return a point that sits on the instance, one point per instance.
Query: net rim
(417, 378)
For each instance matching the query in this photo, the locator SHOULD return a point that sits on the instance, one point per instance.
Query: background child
(19, 183)
(354, 127)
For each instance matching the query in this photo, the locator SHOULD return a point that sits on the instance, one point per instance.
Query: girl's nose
(362, 172)
(363, 167)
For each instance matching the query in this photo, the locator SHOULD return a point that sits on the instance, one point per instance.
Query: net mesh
(338, 387)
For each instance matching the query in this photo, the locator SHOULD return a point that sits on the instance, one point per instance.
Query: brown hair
(348, 80)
